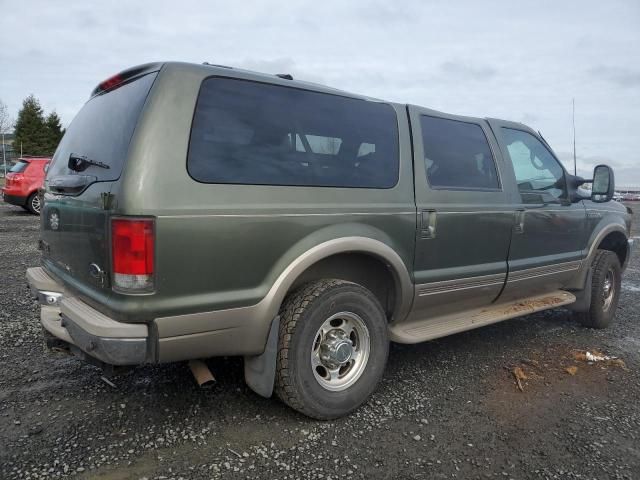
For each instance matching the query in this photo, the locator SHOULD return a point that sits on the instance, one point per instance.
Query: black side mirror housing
(603, 184)
(602, 190)
(573, 183)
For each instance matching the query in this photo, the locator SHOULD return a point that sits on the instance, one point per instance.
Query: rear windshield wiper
(80, 163)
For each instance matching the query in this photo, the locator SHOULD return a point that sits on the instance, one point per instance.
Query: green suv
(193, 211)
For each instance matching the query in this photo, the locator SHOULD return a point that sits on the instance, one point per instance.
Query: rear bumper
(85, 330)
(14, 199)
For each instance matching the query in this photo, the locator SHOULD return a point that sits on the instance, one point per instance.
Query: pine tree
(31, 133)
(54, 132)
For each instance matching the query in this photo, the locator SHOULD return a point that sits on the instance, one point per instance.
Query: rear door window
(102, 130)
(246, 132)
(457, 155)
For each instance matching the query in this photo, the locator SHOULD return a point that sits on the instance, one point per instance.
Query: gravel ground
(449, 408)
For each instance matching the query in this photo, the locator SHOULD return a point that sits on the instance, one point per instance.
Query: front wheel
(333, 348)
(605, 290)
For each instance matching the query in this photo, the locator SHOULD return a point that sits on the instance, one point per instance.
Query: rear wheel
(333, 348)
(33, 203)
(605, 290)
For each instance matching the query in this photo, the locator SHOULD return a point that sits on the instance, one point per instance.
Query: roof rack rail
(215, 65)
(286, 76)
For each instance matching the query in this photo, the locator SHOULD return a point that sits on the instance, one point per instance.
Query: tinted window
(319, 144)
(102, 130)
(253, 133)
(457, 155)
(536, 169)
(19, 167)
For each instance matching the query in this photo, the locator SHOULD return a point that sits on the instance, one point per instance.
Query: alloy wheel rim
(35, 204)
(608, 290)
(340, 351)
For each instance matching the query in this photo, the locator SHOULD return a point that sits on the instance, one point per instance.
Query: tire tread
(600, 264)
(301, 306)
(290, 313)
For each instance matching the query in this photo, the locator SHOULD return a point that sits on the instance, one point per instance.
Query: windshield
(102, 130)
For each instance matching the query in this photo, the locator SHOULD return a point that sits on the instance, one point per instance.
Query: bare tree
(6, 123)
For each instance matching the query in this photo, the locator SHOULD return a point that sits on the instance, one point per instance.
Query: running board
(436, 327)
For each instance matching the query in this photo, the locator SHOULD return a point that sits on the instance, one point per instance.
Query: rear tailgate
(84, 170)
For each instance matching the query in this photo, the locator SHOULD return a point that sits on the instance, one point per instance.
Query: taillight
(132, 253)
(111, 82)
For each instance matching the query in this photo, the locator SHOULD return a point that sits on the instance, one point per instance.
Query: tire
(605, 290)
(313, 343)
(33, 203)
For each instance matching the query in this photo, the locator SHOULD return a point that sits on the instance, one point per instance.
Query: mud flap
(260, 370)
(583, 297)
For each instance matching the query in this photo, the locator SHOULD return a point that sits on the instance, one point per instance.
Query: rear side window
(252, 133)
(19, 167)
(457, 155)
(102, 130)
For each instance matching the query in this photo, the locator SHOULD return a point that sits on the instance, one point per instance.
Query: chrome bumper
(85, 330)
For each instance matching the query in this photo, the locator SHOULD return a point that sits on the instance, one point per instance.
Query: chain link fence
(8, 156)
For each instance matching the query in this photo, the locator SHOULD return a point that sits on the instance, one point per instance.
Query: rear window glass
(19, 167)
(252, 133)
(102, 130)
(457, 155)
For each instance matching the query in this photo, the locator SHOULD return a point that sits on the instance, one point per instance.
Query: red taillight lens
(132, 253)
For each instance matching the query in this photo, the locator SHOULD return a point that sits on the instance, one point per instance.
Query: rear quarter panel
(36, 175)
(223, 246)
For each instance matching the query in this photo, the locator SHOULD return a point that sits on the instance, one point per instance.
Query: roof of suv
(320, 88)
(282, 79)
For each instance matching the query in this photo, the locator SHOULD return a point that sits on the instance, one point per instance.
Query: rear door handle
(428, 224)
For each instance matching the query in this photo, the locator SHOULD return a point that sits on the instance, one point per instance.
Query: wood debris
(571, 370)
(519, 375)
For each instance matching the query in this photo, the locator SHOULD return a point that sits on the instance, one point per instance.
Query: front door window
(539, 176)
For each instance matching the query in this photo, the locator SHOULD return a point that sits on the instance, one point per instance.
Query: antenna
(575, 166)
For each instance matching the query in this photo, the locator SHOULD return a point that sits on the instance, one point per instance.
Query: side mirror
(603, 186)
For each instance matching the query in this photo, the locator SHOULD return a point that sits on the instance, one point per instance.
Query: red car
(23, 181)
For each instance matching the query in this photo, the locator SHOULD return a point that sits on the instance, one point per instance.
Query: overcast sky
(520, 61)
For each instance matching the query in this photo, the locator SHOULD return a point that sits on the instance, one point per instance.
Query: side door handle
(428, 224)
(519, 222)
